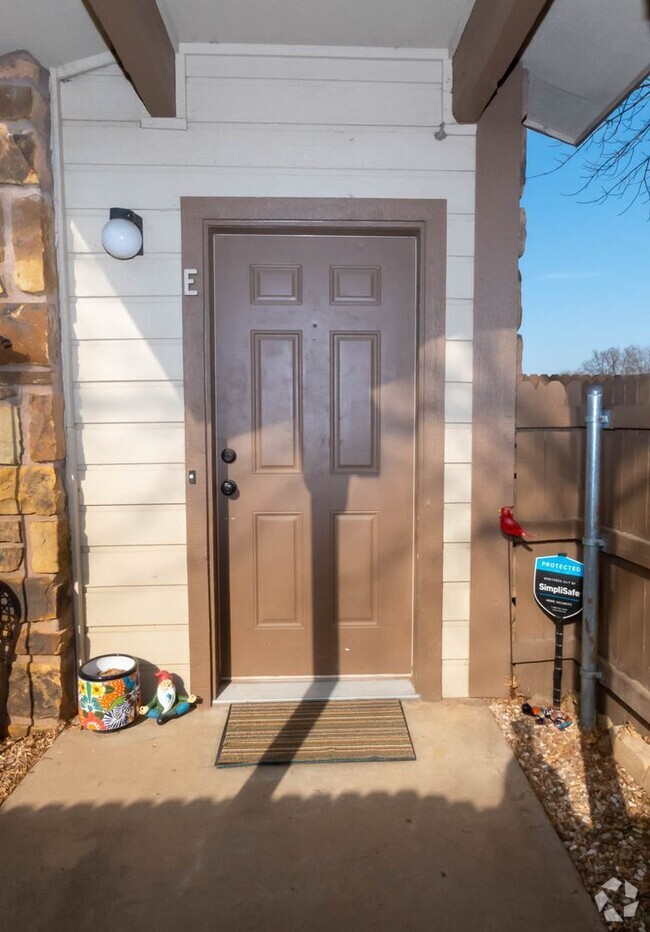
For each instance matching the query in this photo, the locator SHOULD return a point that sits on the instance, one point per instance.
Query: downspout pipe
(592, 544)
(72, 453)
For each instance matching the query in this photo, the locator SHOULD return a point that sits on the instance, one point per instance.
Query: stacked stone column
(34, 538)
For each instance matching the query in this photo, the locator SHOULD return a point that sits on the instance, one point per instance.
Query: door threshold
(305, 689)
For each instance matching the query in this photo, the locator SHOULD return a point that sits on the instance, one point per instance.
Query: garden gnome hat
(164, 675)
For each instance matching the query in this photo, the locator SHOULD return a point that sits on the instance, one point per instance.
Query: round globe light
(121, 238)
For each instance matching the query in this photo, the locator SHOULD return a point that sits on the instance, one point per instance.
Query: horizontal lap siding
(159, 187)
(135, 566)
(139, 443)
(147, 484)
(126, 317)
(133, 525)
(270, 147)
(130, 402)
(331, 66)
(282, 123)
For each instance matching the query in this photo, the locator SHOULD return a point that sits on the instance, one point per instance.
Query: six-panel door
(315, 375)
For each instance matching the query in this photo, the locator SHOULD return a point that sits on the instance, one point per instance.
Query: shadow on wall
(259, 862)
(547, 491)
(550, 503)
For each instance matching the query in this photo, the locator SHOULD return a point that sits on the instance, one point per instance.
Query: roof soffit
(60, 32)
(584, 59)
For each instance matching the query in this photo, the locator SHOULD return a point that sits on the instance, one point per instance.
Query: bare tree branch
(616, 157)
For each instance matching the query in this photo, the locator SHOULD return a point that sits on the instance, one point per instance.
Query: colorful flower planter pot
(109, 692)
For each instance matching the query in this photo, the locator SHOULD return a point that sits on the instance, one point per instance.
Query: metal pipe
(72, 458)
(592, 545)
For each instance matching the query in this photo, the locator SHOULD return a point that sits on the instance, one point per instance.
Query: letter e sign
(189, 282)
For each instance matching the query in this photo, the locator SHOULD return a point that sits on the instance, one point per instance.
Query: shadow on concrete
(401, 861)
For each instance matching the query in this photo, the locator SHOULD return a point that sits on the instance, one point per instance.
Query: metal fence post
(592, 543)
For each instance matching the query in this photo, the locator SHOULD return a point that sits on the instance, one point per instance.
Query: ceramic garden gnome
(166, 704)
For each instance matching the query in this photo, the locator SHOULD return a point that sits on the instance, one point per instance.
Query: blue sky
(586, 269)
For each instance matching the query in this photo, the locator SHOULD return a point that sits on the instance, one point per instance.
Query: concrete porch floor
(139, 830)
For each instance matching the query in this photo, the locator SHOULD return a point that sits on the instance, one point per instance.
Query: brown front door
(315, 376)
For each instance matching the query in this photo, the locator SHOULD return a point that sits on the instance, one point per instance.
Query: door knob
(228, 455)
(228, 487)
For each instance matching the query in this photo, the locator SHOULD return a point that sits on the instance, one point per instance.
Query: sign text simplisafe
(558, 586)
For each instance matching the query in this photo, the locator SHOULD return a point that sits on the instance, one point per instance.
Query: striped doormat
(315, 732)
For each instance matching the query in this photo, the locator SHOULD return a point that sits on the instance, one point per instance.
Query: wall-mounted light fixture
(122, 235)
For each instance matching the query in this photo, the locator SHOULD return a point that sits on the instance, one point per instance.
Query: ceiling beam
(494, 38)
(135, 31)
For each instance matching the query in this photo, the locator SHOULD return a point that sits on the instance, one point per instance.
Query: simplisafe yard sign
(558, 586)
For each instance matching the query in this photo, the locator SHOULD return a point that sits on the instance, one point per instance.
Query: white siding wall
(264, 121)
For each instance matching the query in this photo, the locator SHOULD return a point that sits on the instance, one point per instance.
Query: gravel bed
(18, 756)
(601, 814)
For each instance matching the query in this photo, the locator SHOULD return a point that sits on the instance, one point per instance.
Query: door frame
(427, 221)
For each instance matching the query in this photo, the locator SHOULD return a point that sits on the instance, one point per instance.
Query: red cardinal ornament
(511, 527)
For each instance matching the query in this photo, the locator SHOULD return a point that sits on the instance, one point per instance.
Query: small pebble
(599, 812)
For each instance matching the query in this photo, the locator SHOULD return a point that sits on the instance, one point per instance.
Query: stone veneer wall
(34, 539)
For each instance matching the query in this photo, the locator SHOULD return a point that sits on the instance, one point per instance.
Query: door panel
(315, 374)
(356, 568)
(278, 548)
(277, 395)
(354, 424)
